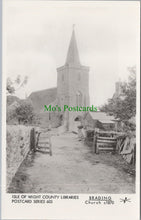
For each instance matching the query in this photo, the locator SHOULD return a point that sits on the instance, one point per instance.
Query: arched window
(79, 98)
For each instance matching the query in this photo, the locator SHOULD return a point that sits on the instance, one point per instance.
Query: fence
(104, 141)
(111, 141)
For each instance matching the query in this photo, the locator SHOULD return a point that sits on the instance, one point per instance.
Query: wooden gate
(104, 141)
(44, 142)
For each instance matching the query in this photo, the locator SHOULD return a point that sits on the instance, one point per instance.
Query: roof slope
(11, 99)
(102, 117)
(43, 97)
(73, 55)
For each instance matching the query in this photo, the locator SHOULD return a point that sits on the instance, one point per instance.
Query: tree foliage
(14, 85)
(124, 105)
(25, 113)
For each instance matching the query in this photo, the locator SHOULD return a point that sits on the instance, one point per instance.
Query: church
(73, 79)
(72, 85)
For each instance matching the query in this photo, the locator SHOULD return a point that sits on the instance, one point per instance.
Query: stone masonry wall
(18, 145)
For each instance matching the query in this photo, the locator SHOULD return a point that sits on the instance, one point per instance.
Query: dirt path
(72, 169)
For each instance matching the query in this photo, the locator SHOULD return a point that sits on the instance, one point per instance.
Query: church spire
(73, 55)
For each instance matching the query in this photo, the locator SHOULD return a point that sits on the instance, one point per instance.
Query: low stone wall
(18, 145)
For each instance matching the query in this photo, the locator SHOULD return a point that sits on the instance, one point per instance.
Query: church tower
(73, 79)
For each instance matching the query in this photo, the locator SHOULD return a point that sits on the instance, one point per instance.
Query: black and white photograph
(71, 98)
(71, 73)
(70, 110)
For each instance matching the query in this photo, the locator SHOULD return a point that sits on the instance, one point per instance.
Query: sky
(37, 35)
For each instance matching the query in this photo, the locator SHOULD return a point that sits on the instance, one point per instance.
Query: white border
(69, 209)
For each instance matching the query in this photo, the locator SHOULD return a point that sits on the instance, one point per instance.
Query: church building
(72, 90)
(72, 82)
(73, 79)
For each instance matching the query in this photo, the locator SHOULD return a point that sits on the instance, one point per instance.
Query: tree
(124, 106)
(25, 113)
(15, 85)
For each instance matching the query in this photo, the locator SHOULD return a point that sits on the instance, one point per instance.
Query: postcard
(70, 110)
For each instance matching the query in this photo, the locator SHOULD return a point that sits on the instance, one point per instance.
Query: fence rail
(104, 141)
(111, 141)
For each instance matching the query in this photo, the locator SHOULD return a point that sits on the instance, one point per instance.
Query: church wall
(72, 83)
(78, 83)
(62, 86)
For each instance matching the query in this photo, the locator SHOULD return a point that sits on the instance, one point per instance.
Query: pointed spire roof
(73, 55)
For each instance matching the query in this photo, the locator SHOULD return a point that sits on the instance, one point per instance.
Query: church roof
(102, 117)
(73, 55)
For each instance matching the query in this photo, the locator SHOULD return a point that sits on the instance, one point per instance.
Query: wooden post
(32, 140)
(118, 145)
(94, 143)
(49, 127)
